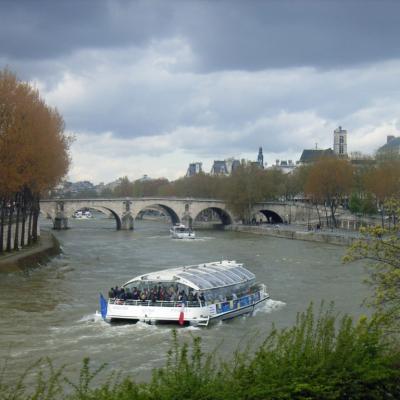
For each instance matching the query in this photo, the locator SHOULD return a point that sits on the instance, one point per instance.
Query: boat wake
(269, 306)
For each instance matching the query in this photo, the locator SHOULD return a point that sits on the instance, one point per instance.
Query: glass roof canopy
(203, 276)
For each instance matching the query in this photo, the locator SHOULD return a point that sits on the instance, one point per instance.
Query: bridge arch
(163, 208)
(271, 216)
(225, 217)
(102, 209)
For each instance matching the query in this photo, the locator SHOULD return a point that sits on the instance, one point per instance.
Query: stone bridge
(126, 210)
(185, 210)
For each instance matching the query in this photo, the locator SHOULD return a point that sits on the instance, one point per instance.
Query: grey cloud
(49, 29)
(277, 74)
(225, 34)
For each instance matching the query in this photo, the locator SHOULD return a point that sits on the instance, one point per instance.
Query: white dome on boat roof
(202, 276)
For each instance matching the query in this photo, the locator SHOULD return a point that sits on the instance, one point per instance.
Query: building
(286, 166)
(310, 156)
(144, 178)
(260, 158)
(392, 146)
(225, 167)
(219, 168)
(231, 164)
(194, 169)
(340, 142)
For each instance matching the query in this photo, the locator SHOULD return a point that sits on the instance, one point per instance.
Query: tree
(329, 182)
(243, 189)
(384, 182)
(296, 181)
(381, 247)
(124, 188)
(368, 205)
(33, 155)
(148, 188)
(355, 203)
(200, 185)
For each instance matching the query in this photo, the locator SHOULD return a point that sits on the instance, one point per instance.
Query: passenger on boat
(183, 296)
(143, 295)
(111, 293)
(135, 294)
(202, 298)
(122, 295)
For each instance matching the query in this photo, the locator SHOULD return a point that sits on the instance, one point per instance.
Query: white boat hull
(183, 235)
(170, 311)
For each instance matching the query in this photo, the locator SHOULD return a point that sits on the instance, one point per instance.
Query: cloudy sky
(148, 86)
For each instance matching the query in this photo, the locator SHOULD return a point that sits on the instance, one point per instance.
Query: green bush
(320, 357)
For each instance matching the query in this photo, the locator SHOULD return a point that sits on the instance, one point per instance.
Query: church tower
(340, 142)
(260, 158)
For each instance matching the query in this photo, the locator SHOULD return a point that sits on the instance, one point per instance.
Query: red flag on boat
(182, 315)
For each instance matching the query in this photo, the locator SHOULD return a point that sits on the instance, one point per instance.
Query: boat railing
(157, 303)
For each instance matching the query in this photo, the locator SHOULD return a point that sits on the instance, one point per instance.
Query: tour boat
(180, 231)
(195, 295)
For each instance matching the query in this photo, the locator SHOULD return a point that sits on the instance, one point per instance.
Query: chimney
(389, 138)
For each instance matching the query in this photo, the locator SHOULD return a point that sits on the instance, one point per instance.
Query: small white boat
(180, 231)
(195, 295)
(82, 214)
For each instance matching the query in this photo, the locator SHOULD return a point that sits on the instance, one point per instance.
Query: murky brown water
(51, 311)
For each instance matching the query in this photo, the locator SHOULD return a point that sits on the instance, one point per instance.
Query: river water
(51, 311)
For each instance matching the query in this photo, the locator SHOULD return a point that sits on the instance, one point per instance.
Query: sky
(146, 87)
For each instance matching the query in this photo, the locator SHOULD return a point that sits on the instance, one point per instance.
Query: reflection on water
(51, 311)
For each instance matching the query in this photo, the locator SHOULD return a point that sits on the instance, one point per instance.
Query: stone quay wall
(334, 237)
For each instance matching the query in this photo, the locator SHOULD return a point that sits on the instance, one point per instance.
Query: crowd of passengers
(155, 294)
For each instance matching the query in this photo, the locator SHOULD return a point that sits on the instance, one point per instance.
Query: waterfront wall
(310, 236)
(32, 256)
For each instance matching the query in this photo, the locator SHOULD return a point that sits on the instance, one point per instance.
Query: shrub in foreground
(323, 357)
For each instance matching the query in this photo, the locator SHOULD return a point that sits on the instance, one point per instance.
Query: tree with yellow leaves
(33, 156)
(328, 182)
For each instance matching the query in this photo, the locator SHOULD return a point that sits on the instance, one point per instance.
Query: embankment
(32, 256)
(337, 238)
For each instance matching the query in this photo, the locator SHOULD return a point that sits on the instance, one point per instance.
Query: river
(51, 311)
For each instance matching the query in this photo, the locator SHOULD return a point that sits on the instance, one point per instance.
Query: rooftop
(313, 155)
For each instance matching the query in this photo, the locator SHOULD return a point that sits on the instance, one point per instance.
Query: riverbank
(336, 237)
(32, 256)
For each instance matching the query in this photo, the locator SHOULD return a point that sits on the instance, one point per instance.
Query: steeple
(260, 158)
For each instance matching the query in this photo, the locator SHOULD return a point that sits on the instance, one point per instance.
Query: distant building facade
(392, 146)
(231, 164)
(219, 168)
(286, 166)
(194, 169)
(225, 167)
(340, 142)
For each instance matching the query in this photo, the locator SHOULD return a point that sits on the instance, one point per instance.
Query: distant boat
(195, 295)
(82, 214)
(180, 231)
